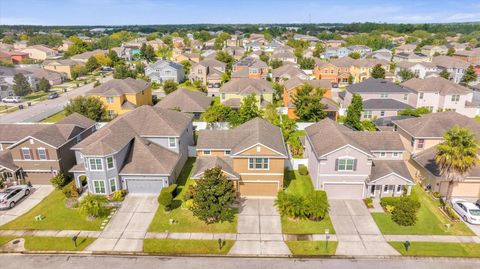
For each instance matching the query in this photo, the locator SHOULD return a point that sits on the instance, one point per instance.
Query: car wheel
(465, 218)
(27, 192)
(12, 204)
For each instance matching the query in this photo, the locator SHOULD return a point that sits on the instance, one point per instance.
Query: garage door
(144, 185)
(258, 188)
(344, 191)
(464, 189)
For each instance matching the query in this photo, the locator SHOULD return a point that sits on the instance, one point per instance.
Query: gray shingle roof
(381, 168)
(225, 163)
(116, 87)
(186, 100)
(384, 104)
(247, 86)
(435, 84)
(373, 85)
(295, 82)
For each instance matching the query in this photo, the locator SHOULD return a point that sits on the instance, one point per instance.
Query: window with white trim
(258, 163)
(207, 152)
(383, 154)
(399, 188)
(113, 184)
(172, 142)
(421, 143)
(382, 113)
(455, 98)
(95, 164)
(396, 154)
(110, 163)
(110, 99)
(367, 114)
(346, 164)
(420, 96)
(99, 186)
(228, 152)
(42, 153)
(385, 188)
(26, 154)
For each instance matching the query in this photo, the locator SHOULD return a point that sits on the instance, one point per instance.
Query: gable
(258, 150)
(392, 179)
(347, 150)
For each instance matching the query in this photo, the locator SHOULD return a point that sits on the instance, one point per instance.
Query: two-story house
(252, 155)
(141, 151)
(355, 165)
(250, 68)
(123, 95)
(420, 137)
(62, 66)
(455, 67)
(186, 101)
(381, 98)
(361, 49)
(439, 94)
(233, 92)
(433, 50)
(288, 71)
(421, 70)
(208, 71)
(40, 52)
(163, 70)
(36, 152)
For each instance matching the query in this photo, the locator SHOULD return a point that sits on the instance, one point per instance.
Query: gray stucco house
(163, 70)
(141, 151)
(355, 165)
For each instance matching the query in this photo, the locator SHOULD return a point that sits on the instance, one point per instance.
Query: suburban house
(291, 86)
(439, 94)
(335, 53)
(471, 56)
(141, 151)
(208, 71)
(123, 95)
(288, 71)
(381, 98)
(433, 50)
(284, 55)
(35, 152)
(40, 52)
(405, 48)
(361, 49)
(252, 155)
(381, 54)
(53, 77)
(421, 135)
(236, 52)
(233, 92)
(250, 68)
(187, 101)
(63, 66)
(454, 66)
(411, 57)
(18, 56)
(361, 69)
(163, 70)
(333, 43)
(83, 57)
(421, 70)
(355, 165)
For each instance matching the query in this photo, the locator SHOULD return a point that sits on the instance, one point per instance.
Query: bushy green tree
(469, 75)
(92, 64)
(405, 211)
(226, 58)
(354, 113)
(122, 71)
(89, 106)
(44, 85)
(406, 74)
(213, 197)
(218, 113)
(93, 205)
(444, 74)
(416, 112)
(354, 55)
(276, 63)
(249, 109)
(378, 71)
(308, 105)
(21, 87)
(306, 63)
(78, 70)
(169, 86)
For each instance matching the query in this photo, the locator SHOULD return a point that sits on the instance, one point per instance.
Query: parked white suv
(467, 210)
(11, 196)
(11, 99)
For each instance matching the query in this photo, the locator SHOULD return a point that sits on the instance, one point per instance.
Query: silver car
(467, 210)
(11, 196)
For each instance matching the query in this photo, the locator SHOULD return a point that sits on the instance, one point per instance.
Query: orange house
(325, 70)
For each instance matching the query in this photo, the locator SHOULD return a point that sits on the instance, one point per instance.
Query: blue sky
(121, 12)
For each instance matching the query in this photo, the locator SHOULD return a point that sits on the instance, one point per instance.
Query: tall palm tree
(457, 155)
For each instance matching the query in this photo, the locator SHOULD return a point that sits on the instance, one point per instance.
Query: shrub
(165, 198)
(119, 195)
(436, 194)
(368, 202)
(188, 204)
(317, 205)
(93, 205)
(314, 206)
(405, 212)
(189, 193)
(172, 189)
(389, 201)
(70, 190)
(302, 170)
(58, 181)
(389, 208)
(451, 213)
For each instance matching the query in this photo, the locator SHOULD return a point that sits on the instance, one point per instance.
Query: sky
(125, 12)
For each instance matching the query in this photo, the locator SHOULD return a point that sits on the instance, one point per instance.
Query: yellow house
(62, 66)
(233, 92)
(361, 69)
(123, 95)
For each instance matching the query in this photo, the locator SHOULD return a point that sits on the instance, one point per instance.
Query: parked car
(11, 99)
(11, 196)
(53, 95)
(467, 210)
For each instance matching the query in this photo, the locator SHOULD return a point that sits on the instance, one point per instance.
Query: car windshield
(475, 212)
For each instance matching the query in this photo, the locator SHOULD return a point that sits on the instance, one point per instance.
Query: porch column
(409, 189)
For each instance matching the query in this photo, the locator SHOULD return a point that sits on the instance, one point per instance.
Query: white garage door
(144, 185)
(344, 191)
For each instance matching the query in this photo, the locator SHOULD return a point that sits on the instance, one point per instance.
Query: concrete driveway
(127, 228)
(259, 229)
(357, 232)
(36, 196)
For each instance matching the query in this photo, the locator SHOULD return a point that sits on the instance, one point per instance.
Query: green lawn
(55, 117)
(188, 87)
(5, 239)
(34, 95)
(312, 248)
(185, 221)
(438, 249)
(57, 217)
(172, 246)
(296, 183)
(430, 220)
(56, 243)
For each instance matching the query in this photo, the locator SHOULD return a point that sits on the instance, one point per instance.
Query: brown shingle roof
(245, 86)
(435, 84)
(116, 87)
(225, 163)
(186, 100)
(295, 82)
(77, 119)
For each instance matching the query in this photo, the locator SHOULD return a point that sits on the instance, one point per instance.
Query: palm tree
(456, 156)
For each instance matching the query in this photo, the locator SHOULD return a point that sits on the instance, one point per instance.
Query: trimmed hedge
(302, 170)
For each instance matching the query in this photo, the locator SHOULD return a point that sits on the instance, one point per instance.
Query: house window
(228, 152)
(326, 71)
(455, 98)
(99, 186)
(420, 143)
(420, 96)
(405, 96)
(113, 184)
(396, 154)
(385, 188)
(384, 95)
(26, 154)
(345, 164)
(95, 164)
(258, 163)
(207, 152)
(399, 188)
(367, 114)
(110, 100)
(111, 113)
(110, 164)
(42, 154)
(383, 154)
(382, 113)
(172, 142)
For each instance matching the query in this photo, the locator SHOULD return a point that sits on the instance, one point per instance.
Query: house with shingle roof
(40, 52)
(123, 95)
(208, 71)
(233, 92)
(355, 165)
(252, 155)
(456, 67)
(163, 70)
(421, 70)
(36, 152)
(141, 151)
(83, 57)
(250, 68)
(420, 137)
(187, 101)
(63, 66)
(288, 71)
